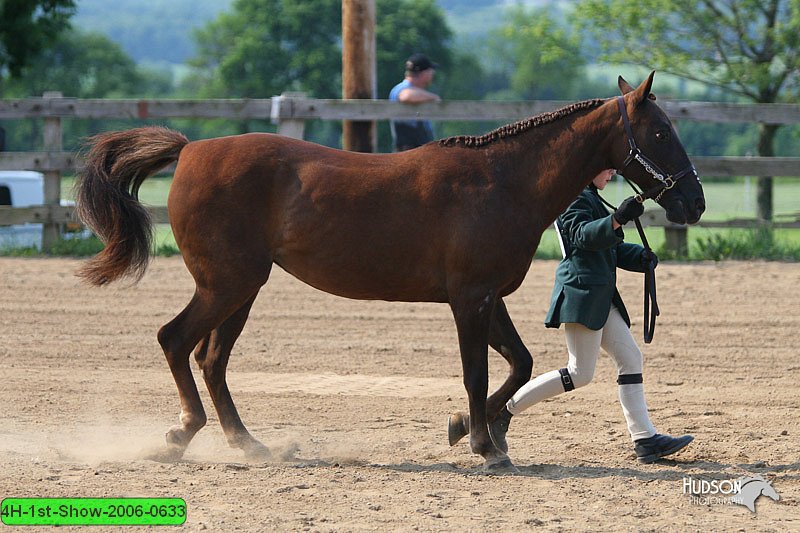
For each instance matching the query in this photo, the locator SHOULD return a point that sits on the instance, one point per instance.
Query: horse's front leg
(473, 313)
(503, 337)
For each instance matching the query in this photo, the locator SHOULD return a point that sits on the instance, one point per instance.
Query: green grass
(153, 191)
(163, 245)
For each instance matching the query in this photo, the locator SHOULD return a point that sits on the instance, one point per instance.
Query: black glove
(628, 210)
(649, 257)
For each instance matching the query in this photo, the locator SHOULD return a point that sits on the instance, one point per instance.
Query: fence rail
(290, 111)
(288, 106)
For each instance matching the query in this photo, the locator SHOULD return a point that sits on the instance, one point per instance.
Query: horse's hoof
(170, 454)
(257, 452)
(457, 427)
(501, 467)
(177, 437)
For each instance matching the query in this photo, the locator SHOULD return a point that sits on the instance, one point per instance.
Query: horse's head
(769, 491)
(650, 154)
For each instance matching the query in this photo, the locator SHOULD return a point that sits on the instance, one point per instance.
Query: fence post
(676, 239)
(359, 75)
(52, 178)
(282, 107)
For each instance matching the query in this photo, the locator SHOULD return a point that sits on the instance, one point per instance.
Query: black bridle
(666, 182)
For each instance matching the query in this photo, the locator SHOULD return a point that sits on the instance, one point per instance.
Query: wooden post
(766, 148)
(281, 109)
(51, 231)
(359, 70)
(676, 239)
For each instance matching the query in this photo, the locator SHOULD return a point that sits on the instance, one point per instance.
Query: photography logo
(742, 491)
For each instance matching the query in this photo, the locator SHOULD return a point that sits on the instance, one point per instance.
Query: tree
(749, 48)
(536, 56)
(262, 48)
(405, 27)
(27, 27)
(80, 65)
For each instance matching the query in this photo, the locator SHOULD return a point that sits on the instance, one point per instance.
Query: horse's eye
(662, 135)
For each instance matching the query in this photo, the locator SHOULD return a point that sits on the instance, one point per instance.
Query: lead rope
(651, 310)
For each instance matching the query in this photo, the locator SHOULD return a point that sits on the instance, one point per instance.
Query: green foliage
(756, 243)
(68, 247)
(77, 247)
(265, 47)
(19, 251)
(28, 27)
(540, 57)
(547, 251)
(746, 47)
(408, 26)
(81, 65)
(261, 48)
(166, 250)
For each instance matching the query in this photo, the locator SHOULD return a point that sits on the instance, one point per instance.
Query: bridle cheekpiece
(666, 181)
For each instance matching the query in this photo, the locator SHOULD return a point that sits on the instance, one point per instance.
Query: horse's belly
(359, 278)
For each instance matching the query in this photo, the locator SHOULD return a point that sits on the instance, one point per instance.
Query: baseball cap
(419, 62)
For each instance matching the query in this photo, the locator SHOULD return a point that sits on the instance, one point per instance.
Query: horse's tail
(107, 197)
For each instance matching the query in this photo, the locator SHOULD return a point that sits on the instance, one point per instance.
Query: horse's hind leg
(207, 310)
(212, 356)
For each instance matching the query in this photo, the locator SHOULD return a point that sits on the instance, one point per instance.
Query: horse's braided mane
(515, 128)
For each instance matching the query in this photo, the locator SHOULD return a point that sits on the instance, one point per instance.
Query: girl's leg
(618, 342)
(583, 345)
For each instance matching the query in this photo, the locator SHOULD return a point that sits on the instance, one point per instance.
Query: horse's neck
(554, 162)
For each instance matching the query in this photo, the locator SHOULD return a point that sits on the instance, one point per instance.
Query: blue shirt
(409, 132)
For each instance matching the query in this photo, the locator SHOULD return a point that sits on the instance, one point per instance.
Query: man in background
(408, 134)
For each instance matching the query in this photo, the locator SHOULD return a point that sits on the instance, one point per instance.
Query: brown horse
(455, 221)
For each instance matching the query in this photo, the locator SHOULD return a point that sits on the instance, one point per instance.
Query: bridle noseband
(667, 181)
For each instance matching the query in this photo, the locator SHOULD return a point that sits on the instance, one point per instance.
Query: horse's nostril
(700, 205)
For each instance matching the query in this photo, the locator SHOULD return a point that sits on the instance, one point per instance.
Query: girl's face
(601, 180)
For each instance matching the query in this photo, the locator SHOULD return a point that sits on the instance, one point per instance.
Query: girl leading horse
(455, 221)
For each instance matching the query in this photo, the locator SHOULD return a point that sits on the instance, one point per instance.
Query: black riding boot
(499, 427)
(651, 449)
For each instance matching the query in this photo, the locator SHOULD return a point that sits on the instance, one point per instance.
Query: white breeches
(583, 345)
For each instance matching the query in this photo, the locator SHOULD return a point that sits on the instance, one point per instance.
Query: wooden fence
(290, 111)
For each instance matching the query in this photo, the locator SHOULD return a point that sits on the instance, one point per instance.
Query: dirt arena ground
(352, 397)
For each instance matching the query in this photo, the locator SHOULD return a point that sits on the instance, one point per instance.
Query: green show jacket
(585, 286)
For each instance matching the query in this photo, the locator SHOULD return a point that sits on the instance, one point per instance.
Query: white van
(21, 188)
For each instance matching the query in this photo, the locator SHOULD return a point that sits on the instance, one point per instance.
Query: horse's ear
(643, 90)
(624, 86)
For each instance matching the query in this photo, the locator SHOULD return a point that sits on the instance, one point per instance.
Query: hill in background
(159, 32)
(150, 31)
